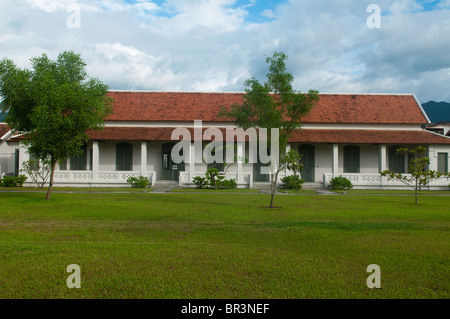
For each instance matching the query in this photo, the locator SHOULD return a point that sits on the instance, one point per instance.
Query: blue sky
(215, 45)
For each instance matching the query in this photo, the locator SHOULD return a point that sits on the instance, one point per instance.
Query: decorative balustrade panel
(80, 177)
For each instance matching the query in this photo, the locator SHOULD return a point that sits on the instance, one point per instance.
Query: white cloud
(210, 45)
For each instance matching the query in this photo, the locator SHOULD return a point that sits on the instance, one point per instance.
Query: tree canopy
(54, 105)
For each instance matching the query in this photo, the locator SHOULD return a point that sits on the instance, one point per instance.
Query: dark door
(257, 176)
(309, 162)
(170, 170)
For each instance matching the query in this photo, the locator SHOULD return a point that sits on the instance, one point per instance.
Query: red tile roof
(332, 108)
(368, 137)
(301, 136)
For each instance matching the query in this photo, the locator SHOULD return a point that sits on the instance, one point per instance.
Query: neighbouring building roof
(4, 128)
(331, 108)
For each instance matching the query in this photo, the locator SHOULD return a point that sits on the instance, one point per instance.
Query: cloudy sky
(334, 46)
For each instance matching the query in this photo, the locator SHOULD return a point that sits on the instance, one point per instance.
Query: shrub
(292, 182)
(227, 184)
(138, 182)
(341, 183)
(200, 182)
(214, 180)
(213, 176)
(10, 181)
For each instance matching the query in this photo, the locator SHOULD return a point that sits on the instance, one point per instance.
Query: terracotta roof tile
(368, 137)
(301, 136)
(332, 108)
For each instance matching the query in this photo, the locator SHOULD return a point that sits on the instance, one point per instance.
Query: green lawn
(146, 245)
(214, 191)
(76, 189)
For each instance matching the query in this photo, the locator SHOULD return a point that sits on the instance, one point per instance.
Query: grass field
(144, 245)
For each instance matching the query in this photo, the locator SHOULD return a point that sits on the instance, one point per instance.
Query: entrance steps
(164, 186)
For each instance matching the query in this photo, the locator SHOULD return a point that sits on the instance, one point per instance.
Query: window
(124, 157)
(351, 159)
(79, 163)
(16, 162)
(397, 162)
(34, 162)
(443, 163)
(63, 165)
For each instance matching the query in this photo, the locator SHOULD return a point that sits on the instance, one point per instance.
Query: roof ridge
(243, 92)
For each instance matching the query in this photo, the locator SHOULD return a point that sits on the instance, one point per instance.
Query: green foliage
(341, 183)
(54, 105)
(418, 175)
(227, 184)
(213, 179)
(201, 182)
(292, 162)
(138, 182)
(292, 182)
(11, 181)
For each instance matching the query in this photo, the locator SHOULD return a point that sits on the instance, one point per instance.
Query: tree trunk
(273, 188)
(415, 192)
(52, 173)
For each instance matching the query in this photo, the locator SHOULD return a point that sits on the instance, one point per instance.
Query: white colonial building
(353, 135)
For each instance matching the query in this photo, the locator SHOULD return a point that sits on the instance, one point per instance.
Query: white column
(335, 160)
(240, 157)
(143, 158)
(383, 158)
(191, 162)
(288, 148)
(95, 160)
(433, 156)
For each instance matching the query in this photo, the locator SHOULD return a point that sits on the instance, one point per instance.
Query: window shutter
(124, 157)
(351, 159)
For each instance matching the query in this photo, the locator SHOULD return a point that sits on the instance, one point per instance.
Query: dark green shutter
(396, 161)
(79, 163)
(63, 165)
(351, 159)
(443, 163)
(16, 162)
(124, 157)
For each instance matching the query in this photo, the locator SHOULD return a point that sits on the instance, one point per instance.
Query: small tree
(273, 105)
(38, 170)
(54, 105)
(419, 175)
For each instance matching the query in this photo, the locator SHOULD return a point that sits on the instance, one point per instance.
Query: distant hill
(437, 111)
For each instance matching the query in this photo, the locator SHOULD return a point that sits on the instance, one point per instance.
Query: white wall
(433, 151)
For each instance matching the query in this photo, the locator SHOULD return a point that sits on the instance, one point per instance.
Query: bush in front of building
(13, 181)
(214, 179)
(292, 182)
(138, 182)
(341, 183)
